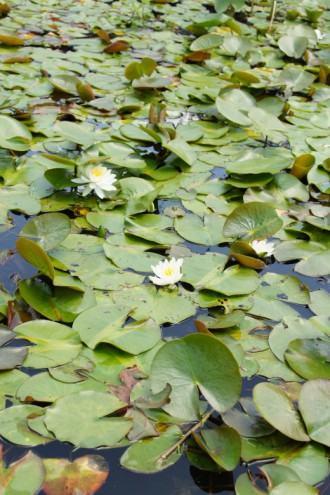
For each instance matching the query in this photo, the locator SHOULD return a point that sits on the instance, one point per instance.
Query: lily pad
(148, 302)
(276, 407)
(314, 401)
(309, 358)
(146, 456)
(252, 221)
(14, 135)
(34, 254)
(11, 357)
(206, 42)
(219, 384)
(222, 444)
(207, 231)
(308, 461)
(23, 476)
(47, 230)
(263, 161)
(87, 474)
(92, 409)
(55, 344)
(14, 425)
(106, 324)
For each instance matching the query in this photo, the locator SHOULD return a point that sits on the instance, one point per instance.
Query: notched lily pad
(252, 221)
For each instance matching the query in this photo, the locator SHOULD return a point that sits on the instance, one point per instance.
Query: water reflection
(210, 482)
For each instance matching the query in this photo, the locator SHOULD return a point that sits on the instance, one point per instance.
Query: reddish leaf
(17, 60)
(19, 312)
(197, 56)
(129, 378)
(83, 476)
(201, 327)
(103, 35)
(116, 47)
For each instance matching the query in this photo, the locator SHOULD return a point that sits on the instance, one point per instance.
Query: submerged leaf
(85, 475)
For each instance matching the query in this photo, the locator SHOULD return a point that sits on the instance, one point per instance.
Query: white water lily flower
(318, 33)
(97, 178)
(263, 248)
(167, 272)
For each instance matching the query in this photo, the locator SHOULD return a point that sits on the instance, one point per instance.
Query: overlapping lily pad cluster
(192, 137)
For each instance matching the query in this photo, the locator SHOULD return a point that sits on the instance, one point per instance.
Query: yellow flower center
(168, 271)
(98, 172)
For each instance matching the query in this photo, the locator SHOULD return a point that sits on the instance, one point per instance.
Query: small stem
(172, 449)
(273, 11)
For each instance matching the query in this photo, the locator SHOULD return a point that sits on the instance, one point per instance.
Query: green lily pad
(47, 230)
(314, 402)
(295, 78)
(44, 388)
(308, 461)
(206, 42)
(245, 255)
(290, 329)
(55, 344)
(247, 420)
(148, 302)
(267, 447)
(14, 425)
(294, 488)
(131, 257)
(271, 367)
(146, 456)
(293, 46)
(92, 409)
(219, 384)
(10, 357)
(34, 254)
(182, 149)
(244, 486)
(277, 474)
(234, 104)
(309, 358)
(152, 228)
(105, 324)
(23, 476)
(207, 231)
(65, 82)
(113, 220)
(252, 221)
(320, 302)
(74, 132)
(315, 266)
(10, 381)
(58, 303)
(276, 407)
(274, 292)
(265, 160)
(222, 444)
(14, 135)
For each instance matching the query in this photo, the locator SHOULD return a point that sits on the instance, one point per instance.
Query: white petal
(99, 191)
(158, 269)
(159, 281)
(175, 278)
